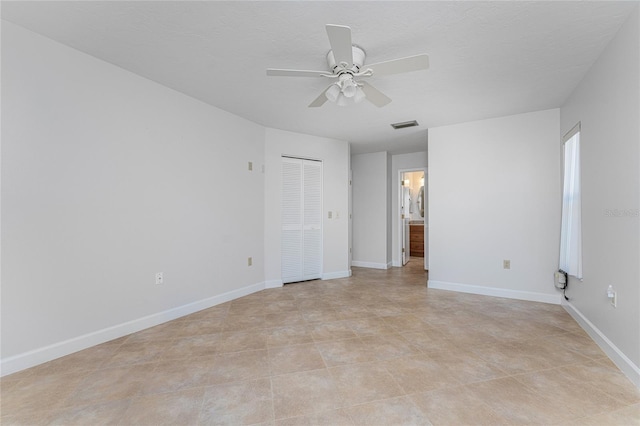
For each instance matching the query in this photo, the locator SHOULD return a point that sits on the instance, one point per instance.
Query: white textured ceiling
(488, 59)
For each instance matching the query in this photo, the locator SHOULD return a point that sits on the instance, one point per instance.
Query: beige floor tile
(85, 360)
(384, 308)
(348, 351)
(518, 404)
(130, 353)
(214, 313)
(9, 382)
(327, 418)
(174, 408)
(397, 411)
(466, 367)
(578, 343)
(379, 332)
(353, 312)
(110, 384)
(304, 393)
(283, 319)
(289, 359)
(246, 321)
(280, 306)
(37, 393)
(579, 398)
(404, 323)
(370, 326)
(455, 406)
(331, 331)
(206, 326)
(289, 335)
(468, 336)
(175, 375)
(360, 383)
(239, 366)
(420, 373)
(237, 341)
(389, 346)
(430, 341)
(109, 413)
(556, 352)
(604, 377)
(253, 309)
(513, 359)
(626, 416)
(629, 415)
(241, 403)
(39, 417)
(194, 346)
(323, 316)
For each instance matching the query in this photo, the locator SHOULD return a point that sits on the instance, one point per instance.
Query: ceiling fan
(346, 67)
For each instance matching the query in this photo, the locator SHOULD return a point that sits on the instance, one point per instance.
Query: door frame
(400, 224)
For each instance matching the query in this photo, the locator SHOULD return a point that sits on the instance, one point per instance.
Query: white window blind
(571, 228)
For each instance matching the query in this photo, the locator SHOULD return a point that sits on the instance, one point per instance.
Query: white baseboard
(273, 284)
(337, 274)
(372, 265)
(38, 356)
(497, 292)
(396, 264)
(627, 366)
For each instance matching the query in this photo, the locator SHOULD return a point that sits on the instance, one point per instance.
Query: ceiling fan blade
(397, 66)
(374, 96)
(320, 100)
(296, 73)
(340, 40)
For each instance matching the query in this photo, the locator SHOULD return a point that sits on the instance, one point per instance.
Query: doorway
(413, 223)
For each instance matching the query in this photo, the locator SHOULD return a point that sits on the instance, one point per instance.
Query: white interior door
(312, 219)
(301, 219)
(291, 220)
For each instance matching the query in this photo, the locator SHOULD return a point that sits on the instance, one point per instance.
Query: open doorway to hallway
(413, 217)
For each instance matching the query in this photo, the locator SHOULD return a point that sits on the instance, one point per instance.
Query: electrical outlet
(250, 166)
(159, 278)
(506, 264)
(249, 261)
(330, 215)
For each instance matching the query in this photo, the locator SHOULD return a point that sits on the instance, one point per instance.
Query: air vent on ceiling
(404, 124)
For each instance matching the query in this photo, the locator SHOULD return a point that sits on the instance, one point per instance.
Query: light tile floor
(378, 348)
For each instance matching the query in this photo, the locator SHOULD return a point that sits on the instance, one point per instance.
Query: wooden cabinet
(416, 240)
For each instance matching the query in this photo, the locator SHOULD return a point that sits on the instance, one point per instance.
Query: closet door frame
(296, 227)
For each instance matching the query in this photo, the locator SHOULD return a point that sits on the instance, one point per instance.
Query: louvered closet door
(312, 230)
(301, 219)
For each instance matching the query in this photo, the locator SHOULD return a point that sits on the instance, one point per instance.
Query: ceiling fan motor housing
(358, 61)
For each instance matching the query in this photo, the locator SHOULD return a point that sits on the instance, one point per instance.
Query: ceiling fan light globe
(342, 100)
(333, 92)
(359, 96)
(349, 90)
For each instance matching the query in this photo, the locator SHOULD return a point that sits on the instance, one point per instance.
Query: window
(571, 229)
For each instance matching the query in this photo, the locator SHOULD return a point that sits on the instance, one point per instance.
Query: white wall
(108, 178)
(494, 191)
(370, 213)
(412, 161)
(606, 103)
(335, 162)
